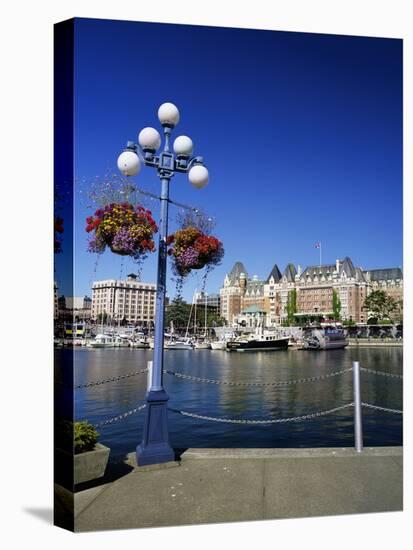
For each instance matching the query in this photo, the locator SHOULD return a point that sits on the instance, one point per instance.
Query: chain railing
(259, 421)
(189, 378)
(357, 404)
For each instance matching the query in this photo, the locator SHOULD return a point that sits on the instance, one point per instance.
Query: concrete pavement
(224, 485)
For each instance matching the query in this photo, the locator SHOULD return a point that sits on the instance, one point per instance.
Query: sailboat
(179, 343)
(204, 343)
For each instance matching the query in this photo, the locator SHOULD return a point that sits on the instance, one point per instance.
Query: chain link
(119, 417)
(270, 421)
(255, 384)
(384, 409)
(113, 379)
(381, 373)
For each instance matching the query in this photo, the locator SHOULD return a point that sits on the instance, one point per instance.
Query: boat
(261, 340)
(121, 341)
(139, 341)
(203, 344)
(219, 344)
(178, 344)
(102, 341)
(325, 338)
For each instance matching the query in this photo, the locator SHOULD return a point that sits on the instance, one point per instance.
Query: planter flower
(192, 249)
(125, 229)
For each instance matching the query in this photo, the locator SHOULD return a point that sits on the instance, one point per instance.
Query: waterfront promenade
(226, 485)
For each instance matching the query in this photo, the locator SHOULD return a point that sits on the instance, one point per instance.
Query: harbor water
(104, 401)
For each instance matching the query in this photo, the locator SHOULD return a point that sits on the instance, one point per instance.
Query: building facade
(127, 300)
(316, 289)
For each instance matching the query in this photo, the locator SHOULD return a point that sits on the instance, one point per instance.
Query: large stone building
(127, 299)
(315, 288)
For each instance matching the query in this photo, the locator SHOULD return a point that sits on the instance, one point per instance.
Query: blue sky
(301, 133)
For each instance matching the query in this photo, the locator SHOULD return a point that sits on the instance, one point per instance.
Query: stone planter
(91, 465)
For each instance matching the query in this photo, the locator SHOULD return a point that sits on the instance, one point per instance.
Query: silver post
(358, 425)
(149, 379)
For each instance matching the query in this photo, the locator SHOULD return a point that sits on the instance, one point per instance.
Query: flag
(317, 245)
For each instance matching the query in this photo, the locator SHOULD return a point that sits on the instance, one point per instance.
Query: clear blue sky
(301, 133)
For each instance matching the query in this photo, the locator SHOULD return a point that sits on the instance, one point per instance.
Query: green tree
(381, 305)
(178, 312)
(336, 306)
(291, 306)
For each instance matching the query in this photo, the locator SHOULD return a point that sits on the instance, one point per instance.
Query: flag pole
(320, 254)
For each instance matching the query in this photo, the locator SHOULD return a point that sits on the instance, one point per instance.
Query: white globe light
(129, 163)
(198, 176)
(150, 139)
(168, 114)
(183, 146)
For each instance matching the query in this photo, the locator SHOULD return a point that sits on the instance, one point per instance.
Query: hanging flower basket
(125, 229)
(191, 249)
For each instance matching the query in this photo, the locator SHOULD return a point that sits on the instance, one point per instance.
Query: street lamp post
(155, 447)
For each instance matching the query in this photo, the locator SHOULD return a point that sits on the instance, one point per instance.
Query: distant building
(243, 298)
(212, 301)
(124, 299)
(77, 308)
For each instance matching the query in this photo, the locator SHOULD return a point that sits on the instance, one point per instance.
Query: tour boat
(325, 338)
(102, 341)
(259, 341)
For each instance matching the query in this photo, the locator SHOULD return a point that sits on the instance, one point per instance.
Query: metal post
(358, 423)
(155, 447)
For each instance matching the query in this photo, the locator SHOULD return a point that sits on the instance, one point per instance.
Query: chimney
(299, 270)
(337, 266)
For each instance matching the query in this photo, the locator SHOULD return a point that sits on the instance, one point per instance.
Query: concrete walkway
(223, 485)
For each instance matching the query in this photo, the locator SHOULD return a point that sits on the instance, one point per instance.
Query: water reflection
(101, 402)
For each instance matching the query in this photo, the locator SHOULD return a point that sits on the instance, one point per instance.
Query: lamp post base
(155, 447)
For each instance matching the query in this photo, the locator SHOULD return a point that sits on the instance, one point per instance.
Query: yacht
(260, 340)
(203, 344)
(325, 338)
(178, 344)
(219, 344)
(102, 341)
(139, 341)
(121, 341)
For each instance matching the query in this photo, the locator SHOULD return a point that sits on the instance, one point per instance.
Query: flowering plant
(126, 230)
(191, 248)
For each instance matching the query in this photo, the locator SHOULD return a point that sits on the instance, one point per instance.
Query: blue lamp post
(155, 447)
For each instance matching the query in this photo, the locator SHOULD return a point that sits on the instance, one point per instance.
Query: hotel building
(243, 297)
(124, 299)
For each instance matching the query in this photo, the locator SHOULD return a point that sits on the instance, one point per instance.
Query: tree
(178, 312)
(381, 305)
(336, 306)
(291, 306)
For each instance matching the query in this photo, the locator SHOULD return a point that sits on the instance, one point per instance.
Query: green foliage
(336, 306)
(102, 318)
(291, 306)
(75, 436)
(85, 437)
(381, 305)
(349, 323)
(178, 312)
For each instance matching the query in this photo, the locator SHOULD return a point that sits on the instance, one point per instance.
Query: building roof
(316, 270)
(255, 286)
(276, 273)
(290, 272)
(385, 274)
(236, 271)
(347, 267)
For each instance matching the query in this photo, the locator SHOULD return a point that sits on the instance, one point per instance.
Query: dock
(229, 485)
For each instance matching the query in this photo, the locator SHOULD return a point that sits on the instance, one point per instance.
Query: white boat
(204, 344)
(139, 341)
(325, 338)
(102, 341)
(121, 341)
(178, 344)
(219, 344)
